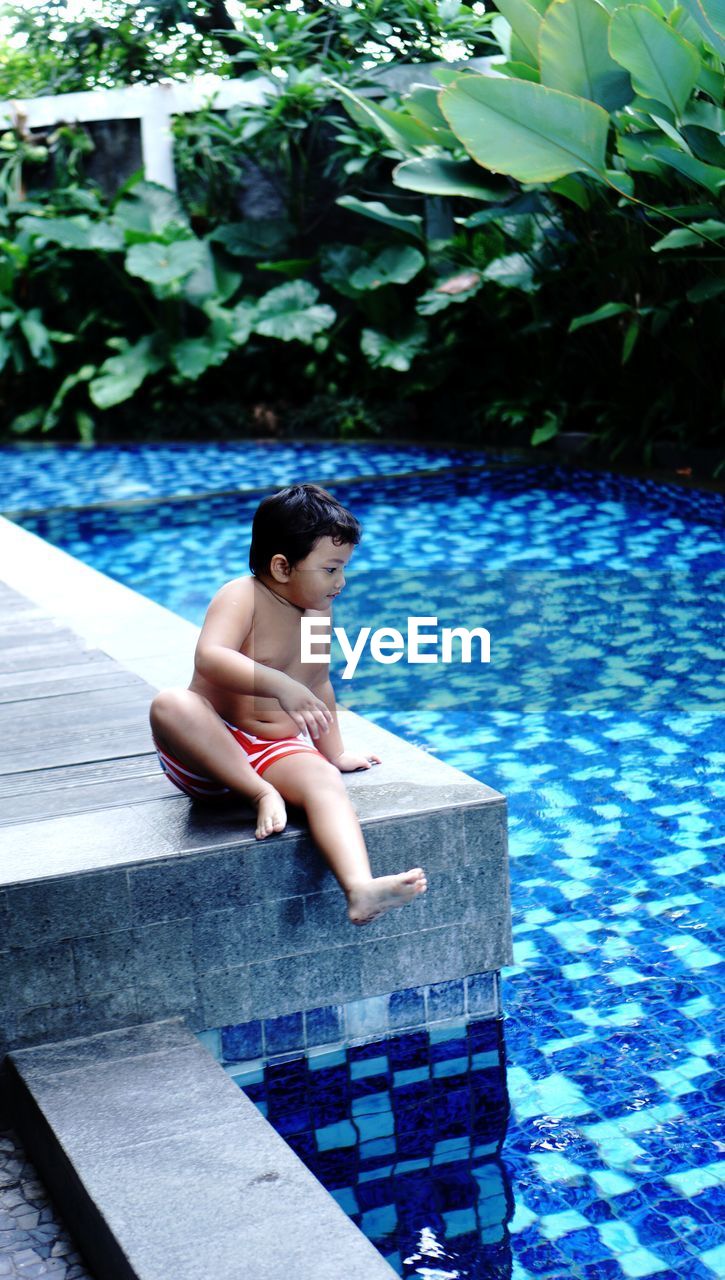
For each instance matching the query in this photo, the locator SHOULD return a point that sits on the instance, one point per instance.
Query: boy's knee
(166, 707)
(330, 778)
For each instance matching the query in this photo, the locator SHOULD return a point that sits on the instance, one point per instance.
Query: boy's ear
(279, 567)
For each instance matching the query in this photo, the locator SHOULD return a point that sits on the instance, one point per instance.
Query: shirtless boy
(243, 724)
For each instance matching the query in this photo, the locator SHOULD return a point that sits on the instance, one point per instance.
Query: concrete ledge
(104, 925)
(163, 1168)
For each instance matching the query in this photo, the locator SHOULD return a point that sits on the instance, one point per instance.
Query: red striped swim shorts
(261, 753)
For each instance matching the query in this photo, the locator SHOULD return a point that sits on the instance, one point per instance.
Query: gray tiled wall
(258, 930)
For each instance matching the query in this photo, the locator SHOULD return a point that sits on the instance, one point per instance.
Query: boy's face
(314, 582)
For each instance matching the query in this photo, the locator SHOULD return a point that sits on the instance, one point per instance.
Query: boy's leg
(188, 727)
(315, 785)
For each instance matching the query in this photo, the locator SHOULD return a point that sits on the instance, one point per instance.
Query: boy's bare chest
(276, 642)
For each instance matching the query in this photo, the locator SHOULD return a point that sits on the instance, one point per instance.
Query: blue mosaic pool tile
(605, 1269)
(324, 1026)
(482, 995)
(406, 1008)
(212, 1042)
(367, 1017)
(282, 1035)
(241, 1041)
(409, 1050)
(446, 1000)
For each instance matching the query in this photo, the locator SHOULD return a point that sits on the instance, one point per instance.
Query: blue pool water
(600, 717)
(36, 476)
(406, 1132)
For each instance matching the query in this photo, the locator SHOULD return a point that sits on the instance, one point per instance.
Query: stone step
(163, 1168)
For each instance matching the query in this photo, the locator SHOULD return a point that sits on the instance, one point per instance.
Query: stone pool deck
(121, 903)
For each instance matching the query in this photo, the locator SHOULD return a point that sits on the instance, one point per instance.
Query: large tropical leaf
(291, 312)
(524, 18)
(422, 104)
(606, 312)
(338, 263)
(663, 65)
(74, 233)
(704, 144)
(193, 356)
(211, 279)
(704, 175)
(120, 376)
(511, 271)
(528, 131)
(636, 149)
(165, 264)
(254, 238)
(395, 265)
(410, 223)
(710, 18)
(574, 57)
(437, 176)
(383, 352)
(519, 71)
(149, 210)
(399, 129)
(695, 235)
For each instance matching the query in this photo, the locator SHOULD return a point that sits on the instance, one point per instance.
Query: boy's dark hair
(293, 520)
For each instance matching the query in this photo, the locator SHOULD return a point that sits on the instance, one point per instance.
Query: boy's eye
(329, 570)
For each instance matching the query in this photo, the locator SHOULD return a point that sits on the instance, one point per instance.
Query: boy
(242, 724)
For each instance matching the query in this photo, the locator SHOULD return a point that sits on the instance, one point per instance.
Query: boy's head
(292, 521)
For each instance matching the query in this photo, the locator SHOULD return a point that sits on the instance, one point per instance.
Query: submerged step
(162, 1167)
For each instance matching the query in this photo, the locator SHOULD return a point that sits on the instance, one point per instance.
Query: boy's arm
(217, 658)
(331, 744)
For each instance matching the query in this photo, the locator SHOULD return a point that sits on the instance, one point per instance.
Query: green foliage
(492, 255)
(157, 279)
(526, 130)
(397, 353)
(292, 312)
(46, 50)
(611, 118)
(393, 266)
(120, 376)
(574, 55)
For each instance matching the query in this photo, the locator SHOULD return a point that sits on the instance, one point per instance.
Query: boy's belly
(262, 717)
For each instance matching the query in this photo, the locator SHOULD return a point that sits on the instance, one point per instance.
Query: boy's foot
(368, 901)
(271, 813)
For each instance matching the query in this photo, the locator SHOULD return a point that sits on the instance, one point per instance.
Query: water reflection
(406, 1134)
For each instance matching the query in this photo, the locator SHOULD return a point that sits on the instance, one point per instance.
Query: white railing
(153, 105)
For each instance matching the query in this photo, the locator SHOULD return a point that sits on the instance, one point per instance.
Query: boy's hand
(308, 711)
(349, 763)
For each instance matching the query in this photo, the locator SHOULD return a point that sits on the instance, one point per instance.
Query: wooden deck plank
(124, 769)
(81, 708)
(40, 657)
(75, 799)
(82, 748)
(25, 686)
(74, 734)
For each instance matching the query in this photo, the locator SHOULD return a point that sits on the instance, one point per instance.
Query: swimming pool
(598, 717)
